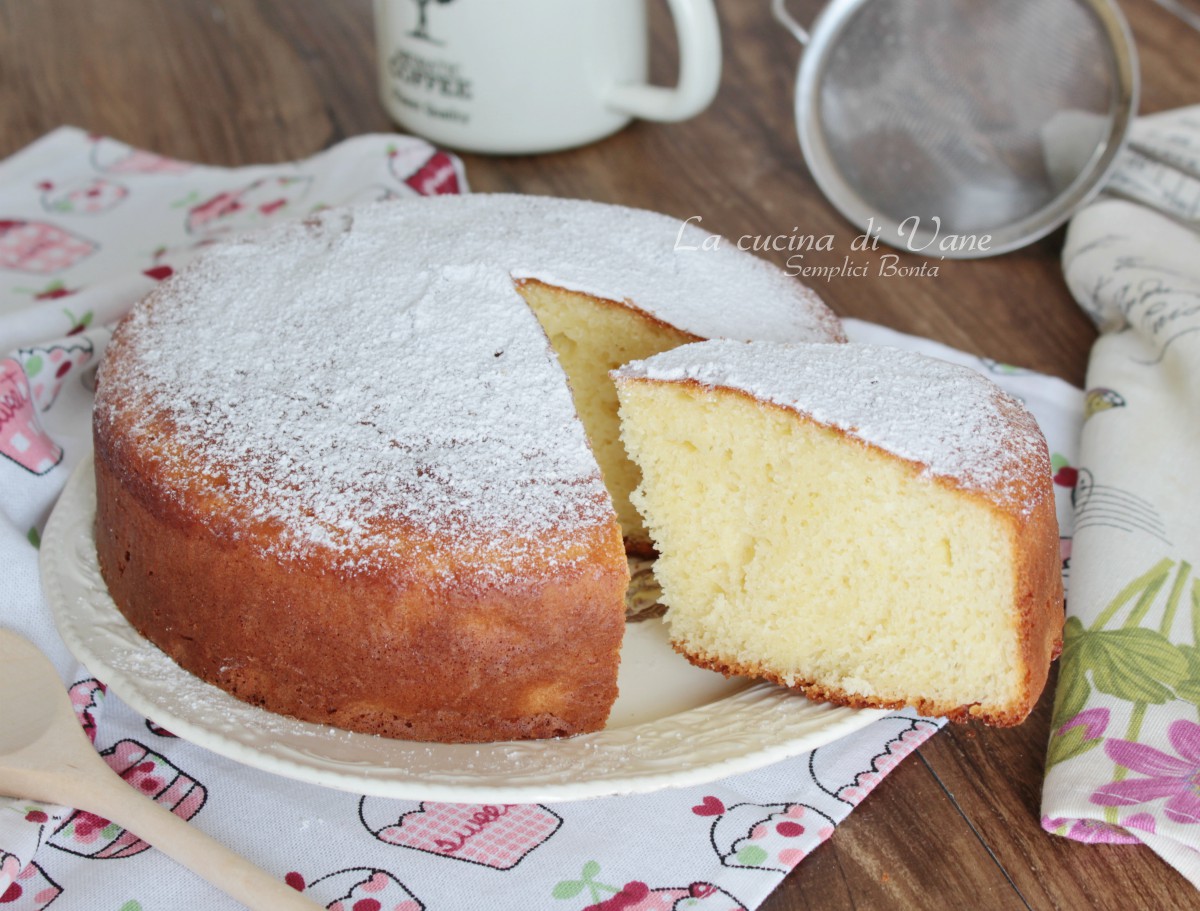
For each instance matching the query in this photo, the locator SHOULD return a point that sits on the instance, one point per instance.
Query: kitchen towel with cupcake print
(87, 226)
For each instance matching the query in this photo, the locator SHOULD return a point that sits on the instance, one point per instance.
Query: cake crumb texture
(868, 526)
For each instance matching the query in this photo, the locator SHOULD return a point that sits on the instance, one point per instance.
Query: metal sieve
(962, 128)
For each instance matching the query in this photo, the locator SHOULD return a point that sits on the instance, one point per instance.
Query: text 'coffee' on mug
(529, 76)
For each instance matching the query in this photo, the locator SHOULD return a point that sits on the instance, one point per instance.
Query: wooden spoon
(45, 755)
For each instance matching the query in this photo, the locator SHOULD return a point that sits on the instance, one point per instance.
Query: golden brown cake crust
(383, 653)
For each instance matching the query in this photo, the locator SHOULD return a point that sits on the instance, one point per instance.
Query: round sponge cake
(341, 474)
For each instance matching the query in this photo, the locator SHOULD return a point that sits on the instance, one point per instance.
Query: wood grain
(995, 779)
(246, 81)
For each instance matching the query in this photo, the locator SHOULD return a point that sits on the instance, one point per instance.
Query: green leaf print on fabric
(1137, 665)
(1126, 654)
(1129, 661)
(1073, 690)
(1084, 731)
(1145, 587)
(1190, 688)
(569, 888)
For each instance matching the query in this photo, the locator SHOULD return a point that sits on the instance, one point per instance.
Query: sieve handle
(779, 10)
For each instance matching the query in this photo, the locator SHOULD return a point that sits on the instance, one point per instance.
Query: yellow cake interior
(591, 337)
(791, 551)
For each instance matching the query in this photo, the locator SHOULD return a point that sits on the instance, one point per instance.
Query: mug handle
(699, 69)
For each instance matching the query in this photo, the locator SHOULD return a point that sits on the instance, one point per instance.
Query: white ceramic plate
(673, 725)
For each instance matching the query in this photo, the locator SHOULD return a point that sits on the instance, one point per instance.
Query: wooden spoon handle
(110, 797)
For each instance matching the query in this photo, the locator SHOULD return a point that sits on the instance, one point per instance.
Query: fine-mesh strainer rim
(823, 37)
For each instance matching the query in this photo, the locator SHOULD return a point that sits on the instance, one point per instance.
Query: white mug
(522, 76)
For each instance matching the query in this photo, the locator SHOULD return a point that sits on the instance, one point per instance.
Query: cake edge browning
(413, 661)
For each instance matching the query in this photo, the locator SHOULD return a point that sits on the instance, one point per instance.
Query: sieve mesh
(944, 107)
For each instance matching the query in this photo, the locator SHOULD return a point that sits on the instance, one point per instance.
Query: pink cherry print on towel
(54, 291)
(247, 207)
(29, 888)
(85, 699)
(360, 889)
(376, 883)
(48, 367)
(10, 866)
(158, 273)
(88, 825)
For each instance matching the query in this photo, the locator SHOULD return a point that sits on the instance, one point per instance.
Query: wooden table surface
(244, 81)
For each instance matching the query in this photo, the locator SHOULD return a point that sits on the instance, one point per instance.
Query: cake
(341, 475)
(871, 527)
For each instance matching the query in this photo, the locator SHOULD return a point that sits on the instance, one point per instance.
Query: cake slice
(869, 526)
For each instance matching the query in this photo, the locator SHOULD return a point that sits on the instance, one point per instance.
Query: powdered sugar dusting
(322, 383)
(659, 263)
(375, 368)
(953, 421)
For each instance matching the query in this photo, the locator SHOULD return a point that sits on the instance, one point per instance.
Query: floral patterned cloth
(87, 225)
(1124, 757)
